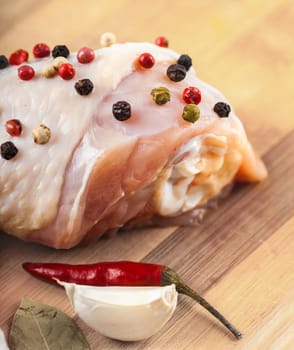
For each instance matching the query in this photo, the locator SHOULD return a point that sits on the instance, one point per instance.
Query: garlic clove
(123, 313)
(3, 344)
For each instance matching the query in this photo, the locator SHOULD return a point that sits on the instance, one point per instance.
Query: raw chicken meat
(97, 173)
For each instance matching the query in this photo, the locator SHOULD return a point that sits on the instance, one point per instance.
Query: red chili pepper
(119, 273)
(122, 273)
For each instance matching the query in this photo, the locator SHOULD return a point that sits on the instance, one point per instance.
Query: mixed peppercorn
(13, 127)
(85, 55)
(222, 109)
(41, 50)
(161, 41)
(8, 150)
(121, 110)
(18, 57)
(107, 39)
(26, 72)
(160, 95)
(60, 50)
(84, 87)
(3, 62)
(146, 60)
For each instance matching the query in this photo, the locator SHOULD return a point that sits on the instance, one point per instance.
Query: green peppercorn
(160, 95)
(191, 113)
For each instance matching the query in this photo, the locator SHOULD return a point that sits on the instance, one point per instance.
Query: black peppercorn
(8, 150)
(84, 87)
(60, 50)
(176, 72)
(222, 109)
(3, 62)
(121, 110)
(185, 61)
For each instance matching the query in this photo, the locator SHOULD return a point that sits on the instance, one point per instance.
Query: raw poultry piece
(121, 139)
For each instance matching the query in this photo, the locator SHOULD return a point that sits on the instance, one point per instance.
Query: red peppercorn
(146, 60)
(161, 41)
(18, 57)
(85, 55)
(26, 72)
(192, 95)
(41, 50)
(13, 127)
(66, 71)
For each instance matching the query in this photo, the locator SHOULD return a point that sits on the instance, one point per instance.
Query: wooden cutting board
(241, 258)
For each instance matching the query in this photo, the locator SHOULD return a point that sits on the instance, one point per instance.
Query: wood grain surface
(241, 258)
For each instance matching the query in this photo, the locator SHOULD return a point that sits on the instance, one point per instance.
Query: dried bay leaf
(38, 326)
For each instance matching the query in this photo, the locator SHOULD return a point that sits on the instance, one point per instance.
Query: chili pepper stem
(169, 276)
